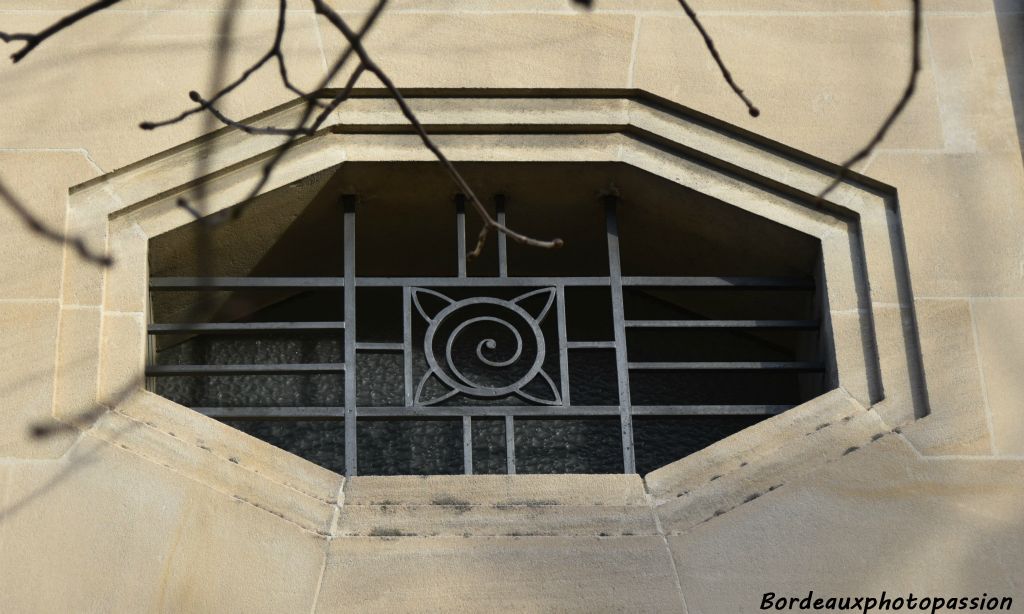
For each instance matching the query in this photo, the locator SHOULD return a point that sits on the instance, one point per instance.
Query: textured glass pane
(593, 378)
(320, 442)
(409, 447)
(255, 349)
(380, 379)
(322, 389)
(591, 445)
(489, 445)
(711, 345)
(660, 441)
(714, 388)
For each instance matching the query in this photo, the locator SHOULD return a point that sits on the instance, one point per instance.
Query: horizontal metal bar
(234, 283)
(326, 413)
(540, 411)
(480, 282)
(783, 324)
(379, 346)
(727, 366)
(762, 283)
(590, 345)
(240, 283)
(441, 411)
(273, 413)
(709, 410)
(158, 370)
(242, 327)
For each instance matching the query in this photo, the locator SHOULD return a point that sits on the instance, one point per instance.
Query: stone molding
(869, 313)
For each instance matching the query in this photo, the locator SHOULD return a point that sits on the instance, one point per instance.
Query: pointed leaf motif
(539, 317)
(556, 397)
(419, 400)
(421, 297)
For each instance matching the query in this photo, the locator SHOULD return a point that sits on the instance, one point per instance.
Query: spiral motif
(505, 355)
(489, 343)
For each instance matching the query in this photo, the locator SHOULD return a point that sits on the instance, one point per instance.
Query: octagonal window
(338, 318)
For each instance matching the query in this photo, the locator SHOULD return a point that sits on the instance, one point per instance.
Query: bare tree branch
(265, 130)
(305, 127)
(356, 44)
(710, 44)
(300, 129)
(316, 112)
(271, 164)
(366, 64)
(908, 92)
(279, 154)
(275, 52)
(34, 40)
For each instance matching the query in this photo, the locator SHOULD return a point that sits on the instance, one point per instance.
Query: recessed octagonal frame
(868, 309)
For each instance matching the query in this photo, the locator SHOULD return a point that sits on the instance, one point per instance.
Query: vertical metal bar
(349, 203)
(407, 342)
(821, 310)
(460, 232)
(510, 445)
(619, 318)
(563, 347)
(467, 445)
(499, 209)
(150, 338)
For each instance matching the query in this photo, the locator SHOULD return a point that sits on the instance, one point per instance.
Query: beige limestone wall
(87, 525)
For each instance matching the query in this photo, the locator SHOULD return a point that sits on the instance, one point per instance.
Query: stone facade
(911, 482)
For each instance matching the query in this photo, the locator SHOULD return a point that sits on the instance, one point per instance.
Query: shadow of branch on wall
(316, 108)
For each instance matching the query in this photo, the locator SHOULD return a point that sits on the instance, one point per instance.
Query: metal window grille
(488, 347)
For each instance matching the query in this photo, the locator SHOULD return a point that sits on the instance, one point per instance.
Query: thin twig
(327, 109)
(710, 44)
(300, 127)
(366, 64)
(34, 40)
(274, 53)
(271, 164)
(908, 92)
(356, 44)
(265, 130)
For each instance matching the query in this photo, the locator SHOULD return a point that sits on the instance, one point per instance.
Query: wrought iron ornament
(506, 347)
(492, 347)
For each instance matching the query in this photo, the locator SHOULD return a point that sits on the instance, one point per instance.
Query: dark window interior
(587, 359)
